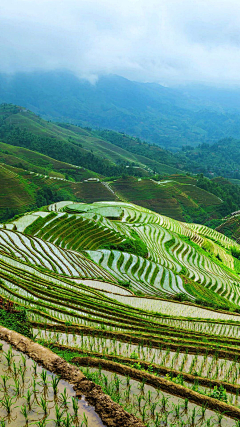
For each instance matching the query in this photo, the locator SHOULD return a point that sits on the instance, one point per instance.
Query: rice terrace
(114, 315)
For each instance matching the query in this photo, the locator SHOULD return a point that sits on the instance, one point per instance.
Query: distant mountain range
(169, 117)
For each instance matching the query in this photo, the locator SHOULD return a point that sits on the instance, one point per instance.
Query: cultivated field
(147, 306)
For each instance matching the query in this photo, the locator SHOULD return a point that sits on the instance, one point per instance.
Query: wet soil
(111, 413)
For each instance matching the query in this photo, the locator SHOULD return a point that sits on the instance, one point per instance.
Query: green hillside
(23, 158)
(54, 162)
(82, 147)
(26, 186)
(231, 227)
(23, 190)
(219, 159)
(177, 196)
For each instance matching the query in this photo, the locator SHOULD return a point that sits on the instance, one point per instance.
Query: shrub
(133, 246)
(17, 321)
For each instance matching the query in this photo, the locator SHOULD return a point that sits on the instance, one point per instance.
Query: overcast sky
(165, 41)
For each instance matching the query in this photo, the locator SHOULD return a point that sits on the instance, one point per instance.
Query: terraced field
(167, 196)
(147, 306)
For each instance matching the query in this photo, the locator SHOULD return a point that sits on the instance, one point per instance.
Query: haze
(168, 41)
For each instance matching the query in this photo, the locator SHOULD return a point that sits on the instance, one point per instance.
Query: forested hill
(221, 158)
(83, 147)
(108, 152)
(165, 116)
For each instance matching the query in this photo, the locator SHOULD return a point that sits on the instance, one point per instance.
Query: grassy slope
(171, 197)
(87, 140)
(15, 191)
(31, 160)
(180, 198)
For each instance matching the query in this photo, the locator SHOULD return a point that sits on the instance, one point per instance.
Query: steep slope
(82, 147)
(33, 161)
(218, 159)
(177, 196)
(40, 180)
(14, 194)
(231, 227)
(23, 190)
(179, 258)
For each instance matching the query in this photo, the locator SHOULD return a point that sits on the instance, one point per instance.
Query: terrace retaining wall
(163, 384)
(111, 413)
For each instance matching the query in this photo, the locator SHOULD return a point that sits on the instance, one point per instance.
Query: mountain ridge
(169, 117)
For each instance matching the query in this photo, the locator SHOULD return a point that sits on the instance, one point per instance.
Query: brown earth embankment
(111, 413)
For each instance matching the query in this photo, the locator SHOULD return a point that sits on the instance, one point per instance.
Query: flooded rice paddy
(31, 395)
(207, 366)
(155, 407)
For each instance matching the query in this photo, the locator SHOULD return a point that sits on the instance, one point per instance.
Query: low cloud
(168, 41)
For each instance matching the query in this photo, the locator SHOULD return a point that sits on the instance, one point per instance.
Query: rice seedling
(7, 402)
(24, 412)
(43, 375)
(41, 423)
(8, 356)
(55, 382)
(44, 406)
(64, 398)
(75, 407)
(4, 381)
(58, 416)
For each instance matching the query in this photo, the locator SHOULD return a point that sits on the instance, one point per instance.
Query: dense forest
(221, 158)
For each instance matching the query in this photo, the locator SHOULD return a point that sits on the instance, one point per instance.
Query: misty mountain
(170, 117)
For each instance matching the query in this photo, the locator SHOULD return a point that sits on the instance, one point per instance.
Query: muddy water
(23, 382)
(140, 399)
(206, 366)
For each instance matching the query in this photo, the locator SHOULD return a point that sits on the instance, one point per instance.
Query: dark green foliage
(219, 159)
(9, 213)
(219, 393)
(235, 252)
(229, 193)
(56, 147)
(133, 246)
(136, 146)
(181, 297)
(124, 283)
(17, 321)
(214, 305)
